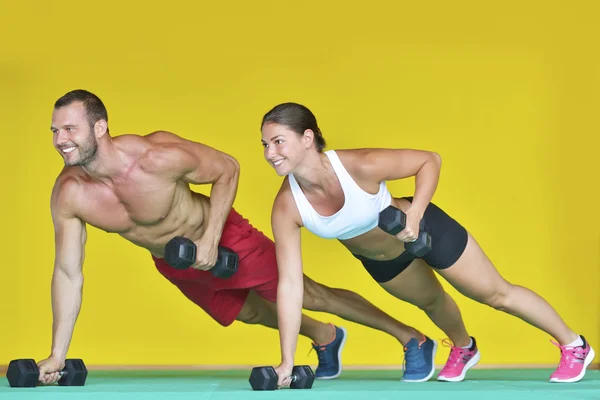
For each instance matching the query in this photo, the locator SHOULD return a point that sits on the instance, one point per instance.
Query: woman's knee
(430, 301)
(427, 296)
(499, 297)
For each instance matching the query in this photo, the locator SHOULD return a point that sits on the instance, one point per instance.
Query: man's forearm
(222, 196)
(66, 303)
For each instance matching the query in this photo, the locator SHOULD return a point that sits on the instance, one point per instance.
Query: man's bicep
(207, 164)
(188, 160)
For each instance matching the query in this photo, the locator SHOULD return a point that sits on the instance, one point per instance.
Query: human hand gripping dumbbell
(24, 372)
(180, 253)
(265, 378)
(393, 221)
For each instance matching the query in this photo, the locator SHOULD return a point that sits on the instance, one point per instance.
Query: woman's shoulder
(285, 211)
(283, 196)
(356, 161)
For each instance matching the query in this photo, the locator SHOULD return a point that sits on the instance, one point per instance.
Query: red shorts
(222, 298)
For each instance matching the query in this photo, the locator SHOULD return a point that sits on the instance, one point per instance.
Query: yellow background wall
(507, 94)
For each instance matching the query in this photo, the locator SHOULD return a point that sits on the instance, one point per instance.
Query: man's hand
(198, 164)
(284, 373)
(50, 370)
(206, 253)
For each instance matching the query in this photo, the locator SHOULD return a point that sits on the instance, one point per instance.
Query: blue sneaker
(330, 356)
(419, 359)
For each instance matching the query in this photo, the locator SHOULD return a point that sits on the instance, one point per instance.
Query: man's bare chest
(120, 207)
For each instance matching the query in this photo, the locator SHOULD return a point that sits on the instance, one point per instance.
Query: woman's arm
(378, 165)
(290, 288)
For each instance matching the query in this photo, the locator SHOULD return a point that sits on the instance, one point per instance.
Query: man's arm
(67, 278)
(197, 163)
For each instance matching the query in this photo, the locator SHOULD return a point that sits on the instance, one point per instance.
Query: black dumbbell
(265, 378)
(393, 221)
(180, 253)
(24, 372)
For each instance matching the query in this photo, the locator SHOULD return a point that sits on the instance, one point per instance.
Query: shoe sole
(588, 360)
(472, 362)
(339, 358)
(428, 377)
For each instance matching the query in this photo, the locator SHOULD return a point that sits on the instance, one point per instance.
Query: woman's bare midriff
(376, 244)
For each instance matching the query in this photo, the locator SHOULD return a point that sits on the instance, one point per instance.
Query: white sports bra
(359, 214)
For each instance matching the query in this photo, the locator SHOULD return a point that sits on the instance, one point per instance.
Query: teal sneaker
(419, 360)
(330, 355)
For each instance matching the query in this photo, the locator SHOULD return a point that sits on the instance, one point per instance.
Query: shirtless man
(139, 187)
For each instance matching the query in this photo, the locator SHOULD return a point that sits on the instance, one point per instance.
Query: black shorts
(448, 241)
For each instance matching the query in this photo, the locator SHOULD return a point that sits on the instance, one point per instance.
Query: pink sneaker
(459, 362)
(573, 362)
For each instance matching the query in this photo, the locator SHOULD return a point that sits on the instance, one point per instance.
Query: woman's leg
(475, 276)
(419, 286)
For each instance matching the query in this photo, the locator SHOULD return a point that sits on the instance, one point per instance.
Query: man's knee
(316, 296)
(253, 311)
(249, 316)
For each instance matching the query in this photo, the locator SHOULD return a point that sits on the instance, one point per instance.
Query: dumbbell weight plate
(263, 378)
(76, 373)
(304, 377)
(22, 373)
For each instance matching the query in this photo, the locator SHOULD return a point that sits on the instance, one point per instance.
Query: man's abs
(185, 218)
(148, 217)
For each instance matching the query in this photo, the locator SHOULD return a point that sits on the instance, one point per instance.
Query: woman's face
(284, 148)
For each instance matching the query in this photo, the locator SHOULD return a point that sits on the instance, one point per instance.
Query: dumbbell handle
(418, 248)
(179, 243)
(62, 373)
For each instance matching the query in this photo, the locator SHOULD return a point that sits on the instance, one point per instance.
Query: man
(139, 187)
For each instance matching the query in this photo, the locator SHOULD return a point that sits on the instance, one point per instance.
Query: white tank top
(359, 214)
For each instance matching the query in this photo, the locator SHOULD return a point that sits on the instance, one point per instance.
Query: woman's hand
(411, 232)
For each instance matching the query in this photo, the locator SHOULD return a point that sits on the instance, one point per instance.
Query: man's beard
(87, 154)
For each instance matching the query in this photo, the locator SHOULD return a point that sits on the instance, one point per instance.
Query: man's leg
(419, 350)
(353, 307)
(257, 310)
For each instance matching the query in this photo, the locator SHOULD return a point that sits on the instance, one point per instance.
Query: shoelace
(321, 354)
(455, 353)
(412, 356)
(570, 355)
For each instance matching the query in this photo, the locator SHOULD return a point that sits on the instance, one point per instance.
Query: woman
(339, 194)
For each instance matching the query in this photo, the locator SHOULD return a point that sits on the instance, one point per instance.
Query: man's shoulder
(67, 187)
(133, 142)
(163, 137)
(162, 152)
(69, 179)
